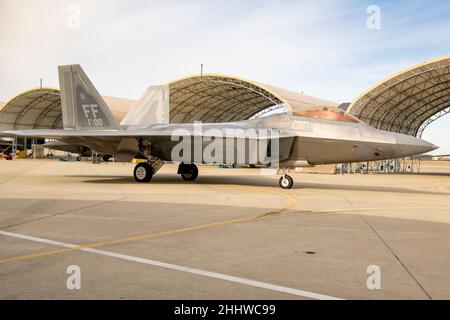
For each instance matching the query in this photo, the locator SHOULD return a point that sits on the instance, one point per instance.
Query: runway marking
(167, 232)
(199, 272)
(125, 240)
(290, 205)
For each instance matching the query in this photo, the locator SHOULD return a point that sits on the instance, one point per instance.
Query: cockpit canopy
(333, 114)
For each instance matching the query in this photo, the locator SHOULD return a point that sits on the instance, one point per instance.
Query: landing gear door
(278, 150)
(285, 147)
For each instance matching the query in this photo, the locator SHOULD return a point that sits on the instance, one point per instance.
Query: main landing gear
(144, 171)
(189, 172)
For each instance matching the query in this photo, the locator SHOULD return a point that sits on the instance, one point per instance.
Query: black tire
(191, 174)
(78, 158)
(143, 172)
(286, 182)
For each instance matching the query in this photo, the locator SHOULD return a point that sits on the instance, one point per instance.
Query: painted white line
(41, 240)
(203, 273)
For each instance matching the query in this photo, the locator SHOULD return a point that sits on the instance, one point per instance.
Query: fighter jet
(279, 141)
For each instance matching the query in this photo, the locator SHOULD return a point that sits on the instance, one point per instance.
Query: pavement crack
(391, 250)
(21, 175)
(64, 212)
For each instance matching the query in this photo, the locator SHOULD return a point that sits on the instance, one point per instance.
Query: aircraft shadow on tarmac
(434, 174)
(166, 179)
(424, 244)
(28, 211)
(335, 237)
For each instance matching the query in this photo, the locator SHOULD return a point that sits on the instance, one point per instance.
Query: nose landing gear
(286, 181)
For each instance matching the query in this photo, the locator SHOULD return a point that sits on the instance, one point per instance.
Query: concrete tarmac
(232, 234)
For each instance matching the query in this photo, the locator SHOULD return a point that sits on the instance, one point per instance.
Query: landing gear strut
(189, 172)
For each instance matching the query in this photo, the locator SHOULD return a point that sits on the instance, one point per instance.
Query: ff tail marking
(82, 106)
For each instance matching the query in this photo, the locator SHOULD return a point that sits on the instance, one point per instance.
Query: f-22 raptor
(282, 141)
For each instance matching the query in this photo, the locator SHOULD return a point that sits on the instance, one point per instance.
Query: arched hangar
(207, 98)
(408, 101)
(40, 108)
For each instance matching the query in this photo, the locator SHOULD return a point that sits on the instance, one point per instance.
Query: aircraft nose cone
(427, 146)
(411, 146)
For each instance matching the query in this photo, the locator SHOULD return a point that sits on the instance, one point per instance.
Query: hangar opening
(215, 98)
(220, 98)
(40, 108)
(407, 102)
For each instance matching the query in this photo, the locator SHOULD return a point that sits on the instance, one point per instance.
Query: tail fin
(82, 106)
(152, 108)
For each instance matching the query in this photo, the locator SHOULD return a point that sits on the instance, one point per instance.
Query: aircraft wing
(166, 130)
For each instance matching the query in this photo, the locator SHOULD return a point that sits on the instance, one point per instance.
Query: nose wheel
(189, 172)
(286, 182)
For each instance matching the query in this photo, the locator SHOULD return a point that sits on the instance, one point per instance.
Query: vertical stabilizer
(82, 106)
(152, 108)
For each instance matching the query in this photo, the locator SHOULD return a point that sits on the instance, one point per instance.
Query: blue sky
(320, 47)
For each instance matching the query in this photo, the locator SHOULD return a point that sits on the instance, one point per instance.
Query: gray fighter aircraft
(285, 141)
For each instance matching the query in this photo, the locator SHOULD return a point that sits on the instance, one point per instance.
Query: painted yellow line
(128, 239)
(292, 201)
(290, 205)
(175, 231)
